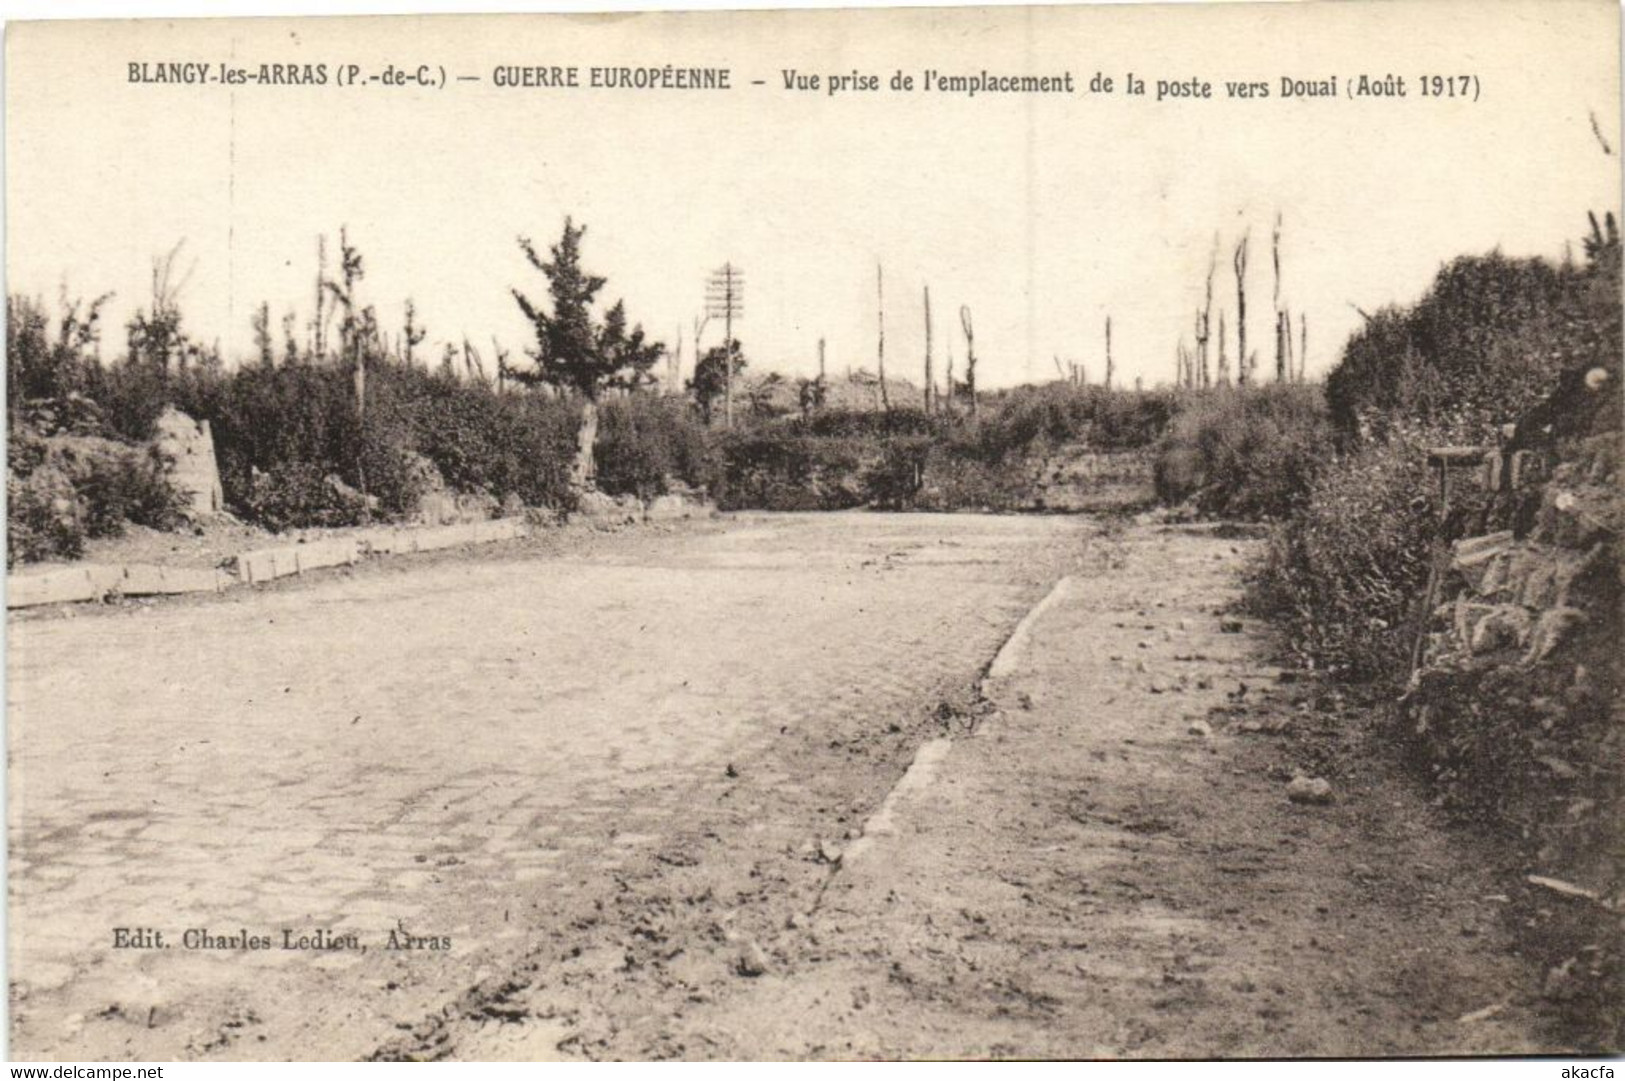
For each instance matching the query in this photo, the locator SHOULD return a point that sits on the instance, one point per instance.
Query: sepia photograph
(1076, 532)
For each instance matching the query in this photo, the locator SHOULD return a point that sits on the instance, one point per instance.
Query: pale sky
(1043, 214)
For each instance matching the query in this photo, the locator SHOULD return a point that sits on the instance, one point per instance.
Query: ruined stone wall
(188, 445)
(1517, 600)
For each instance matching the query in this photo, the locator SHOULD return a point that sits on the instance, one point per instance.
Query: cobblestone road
(439, 753)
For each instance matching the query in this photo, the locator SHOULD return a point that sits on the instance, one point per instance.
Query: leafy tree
(709, 383)
(46, 366)
(576, 353)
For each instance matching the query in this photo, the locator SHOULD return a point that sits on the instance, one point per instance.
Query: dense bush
(956, 477)
(894, 479)
(290, 427)
(65, 489)
(906, 459)
(645, 443)
(871, 423)
(43, 517)
(1021, 420)
(1343, 575)
(779, 467)
(1487, 342)
(45, 364)
(1244, 452)
(1492, 338)
(298, 495)
(516, 444)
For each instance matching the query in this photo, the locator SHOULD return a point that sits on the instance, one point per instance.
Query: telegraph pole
(724, 296)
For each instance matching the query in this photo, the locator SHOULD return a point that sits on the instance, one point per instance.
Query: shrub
(1344, 574)
(42, 517)
(957, 480)
(1486, 343)
(1022, 420)
(63, 490)
(1244, 452)
(297, 495)
(893, 480)
(854, 423)
(116, 485)
(646, 442)
(779, 468)
(132, 396)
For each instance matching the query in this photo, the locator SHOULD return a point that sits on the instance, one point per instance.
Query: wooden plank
(144, 579)
(63, 586)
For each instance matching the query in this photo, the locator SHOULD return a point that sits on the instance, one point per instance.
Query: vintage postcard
(972, 533)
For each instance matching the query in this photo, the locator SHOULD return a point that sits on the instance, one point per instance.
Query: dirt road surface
(655, 799)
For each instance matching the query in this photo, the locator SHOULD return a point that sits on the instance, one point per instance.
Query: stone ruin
(188, 445)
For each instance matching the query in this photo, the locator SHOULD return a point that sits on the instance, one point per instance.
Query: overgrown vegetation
(1509, 676)
(908, 459)
(1246, 452)
(1491, 343)
(65, 490)
(335, 430)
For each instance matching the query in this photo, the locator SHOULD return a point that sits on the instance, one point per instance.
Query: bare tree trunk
(317, 344)
(1205, 323)
(930, 384)
(1286, 337)
(1199, 358)
(880, 295)
(1303, 348)
(1280, 349)
(699, 331)
(1109, 365)
(674, 365)
(1243, 364)
(1283, 322)
(583, 470)
(360, 385)
(970, 357)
